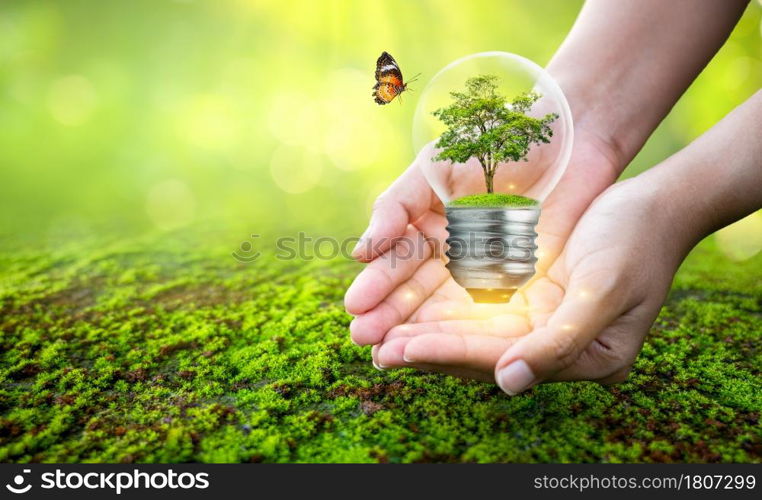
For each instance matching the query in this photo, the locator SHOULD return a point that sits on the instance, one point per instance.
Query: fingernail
(363, 241)
(364, 237)
(516, 377)
(407, 358)
(377, 366)
(359, 245)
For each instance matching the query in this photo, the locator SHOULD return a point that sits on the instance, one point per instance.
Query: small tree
(482, 124)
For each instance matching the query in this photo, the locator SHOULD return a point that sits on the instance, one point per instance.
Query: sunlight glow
(208, 121)
(295, 170)
(284, 107)
(71, 100)
(743, 239)
(171, 204)
(354, 135)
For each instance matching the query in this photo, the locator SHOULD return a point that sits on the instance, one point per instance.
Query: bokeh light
(295, 169)
(209, 122)
(170, 204)
(71, 99)
(241, 109)
(743, 239)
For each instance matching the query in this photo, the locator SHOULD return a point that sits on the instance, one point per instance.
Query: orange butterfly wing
(385, 92)
(391, 79)
(389, 83)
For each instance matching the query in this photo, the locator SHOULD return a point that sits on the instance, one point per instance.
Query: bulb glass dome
(537, 172)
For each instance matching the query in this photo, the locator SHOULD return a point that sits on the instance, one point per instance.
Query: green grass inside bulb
(493, 200)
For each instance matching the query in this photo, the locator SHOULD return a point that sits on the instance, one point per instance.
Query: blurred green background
(156, 115)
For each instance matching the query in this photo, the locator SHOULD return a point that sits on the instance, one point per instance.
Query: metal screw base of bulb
(491, 250)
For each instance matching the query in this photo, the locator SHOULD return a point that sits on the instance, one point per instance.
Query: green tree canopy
(483, 124)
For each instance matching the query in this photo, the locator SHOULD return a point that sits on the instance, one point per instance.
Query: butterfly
(389, 82)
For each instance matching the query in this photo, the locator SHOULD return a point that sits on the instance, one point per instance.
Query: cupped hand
(585, 319)
(406, 283)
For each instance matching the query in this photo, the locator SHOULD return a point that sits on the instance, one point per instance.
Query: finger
(374, 356)
(433, 300)
(387, 272)
(508, 325)
(474, 352)
(370, 327)
(390, 355)
(434, 227)
(585, 311)
(543, 297)
(609, 357)
(598, 362)
(463, 373)
(404, 202)
(448, 291)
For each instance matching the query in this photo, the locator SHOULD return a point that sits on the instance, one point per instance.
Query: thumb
(404, 202)
(582, 315)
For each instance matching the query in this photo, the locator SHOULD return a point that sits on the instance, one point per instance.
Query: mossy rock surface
(167, 350)
(493, 200)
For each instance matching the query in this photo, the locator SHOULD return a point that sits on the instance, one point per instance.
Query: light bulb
(494, 134)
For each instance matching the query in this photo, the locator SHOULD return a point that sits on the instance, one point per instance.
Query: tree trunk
(488, 173)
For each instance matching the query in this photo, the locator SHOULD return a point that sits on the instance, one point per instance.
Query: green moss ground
(167, 350)
(492, 200)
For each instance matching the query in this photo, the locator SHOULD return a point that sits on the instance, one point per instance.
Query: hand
(415, 289)
(584, 320)
(607, 85)
(588, 316)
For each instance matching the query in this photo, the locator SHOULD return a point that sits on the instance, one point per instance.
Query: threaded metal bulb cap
(491, 250)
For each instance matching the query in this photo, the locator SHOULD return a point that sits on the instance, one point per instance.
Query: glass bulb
(494, 134)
